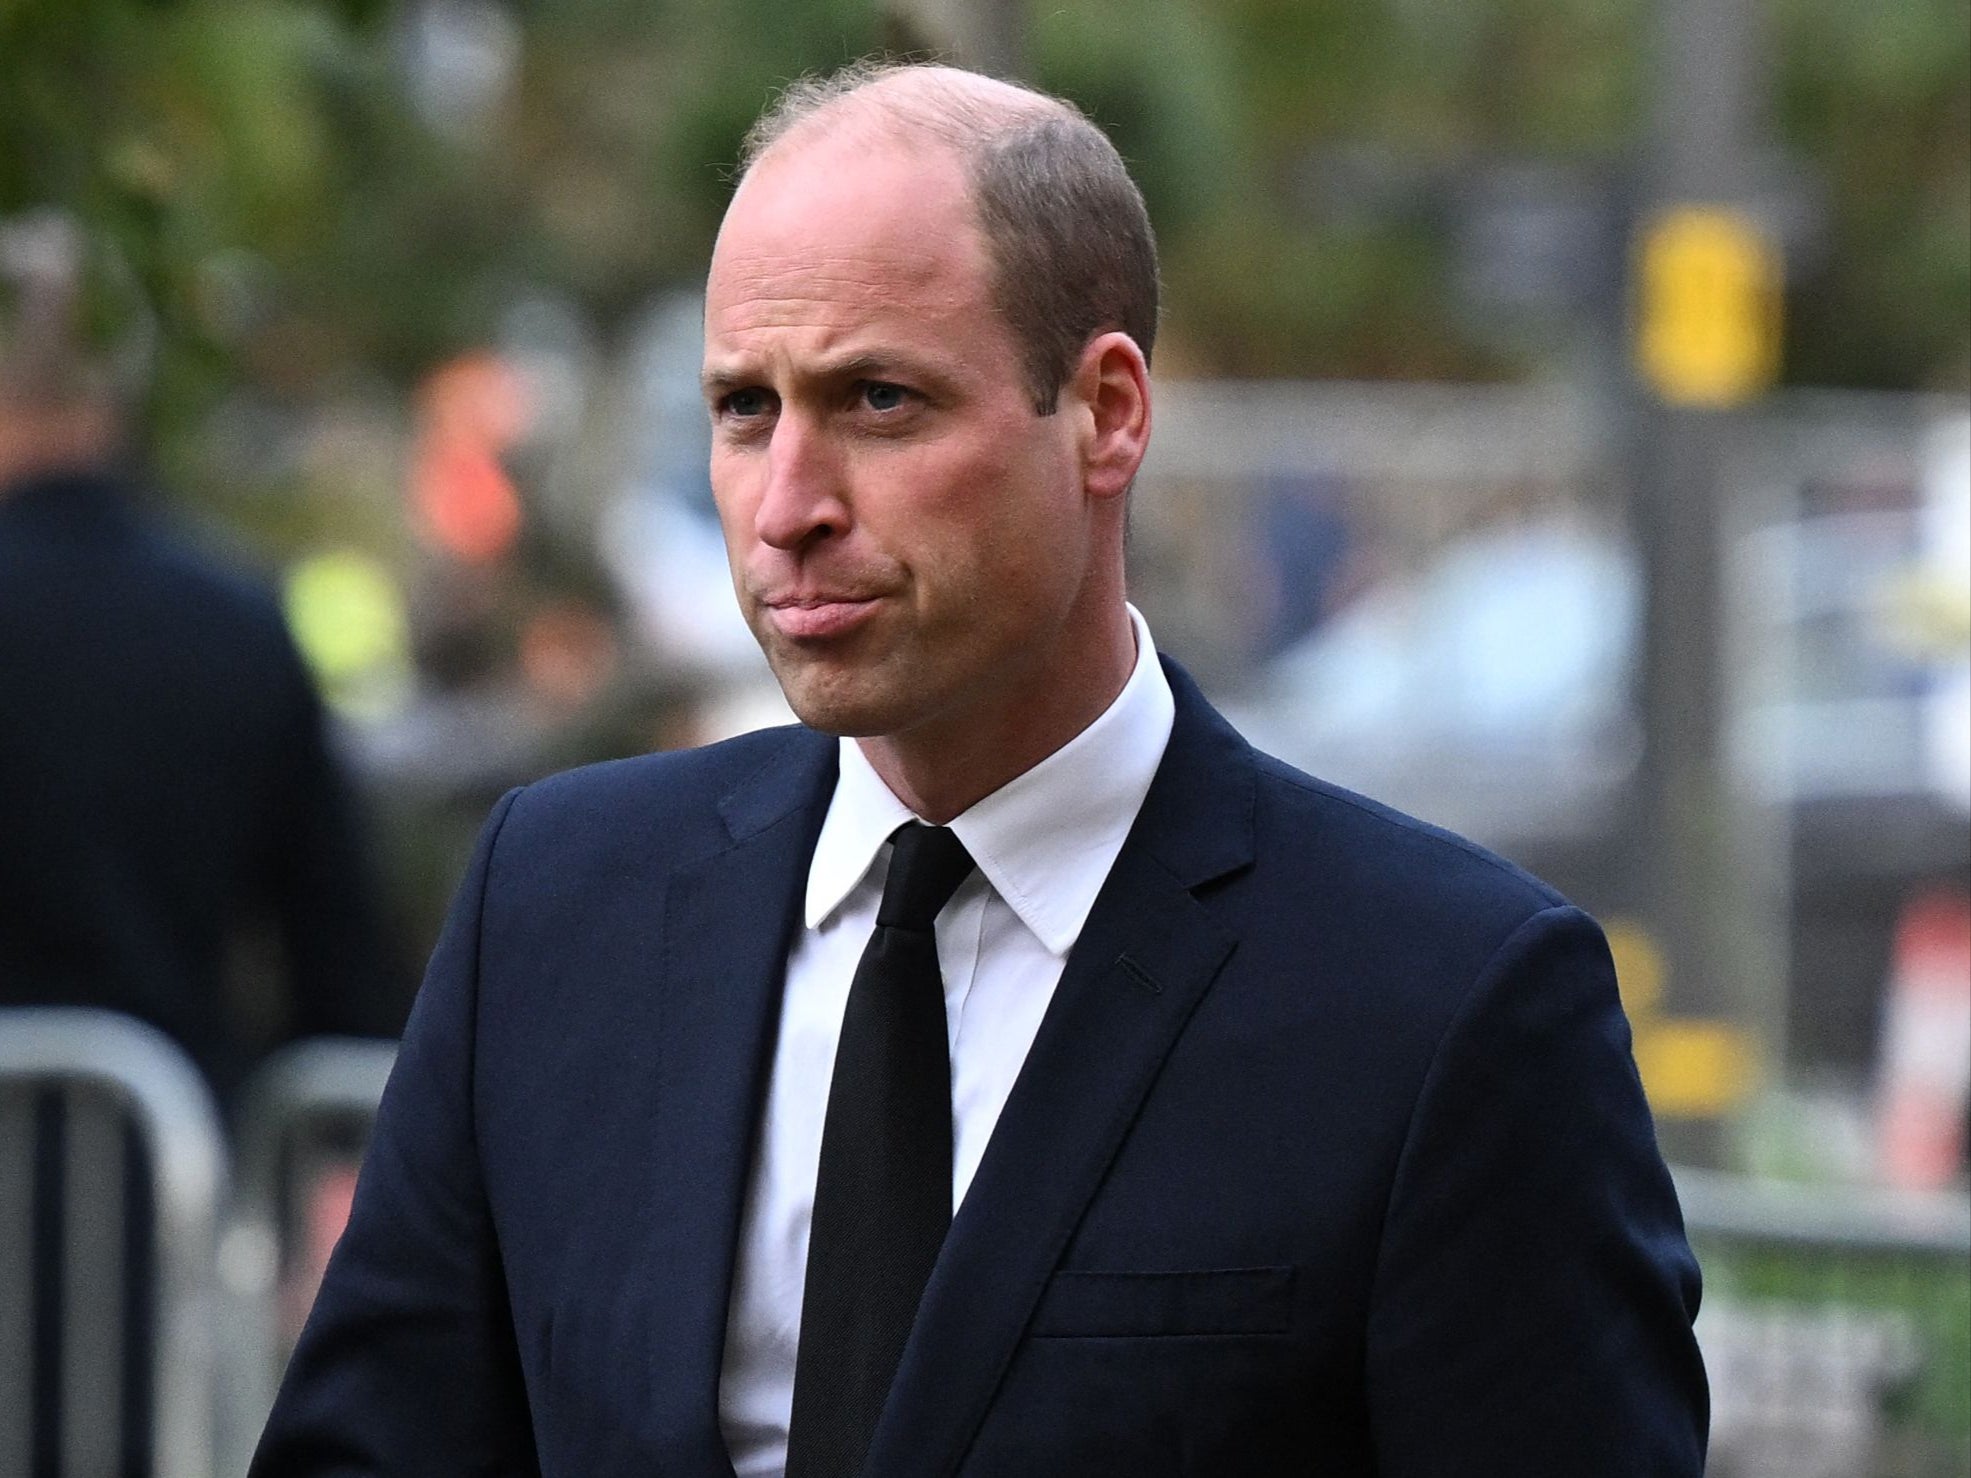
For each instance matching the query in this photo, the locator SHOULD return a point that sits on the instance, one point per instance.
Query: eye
(879, 395)
(745, 404)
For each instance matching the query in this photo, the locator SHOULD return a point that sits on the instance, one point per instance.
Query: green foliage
(1177, 126)
(276, 200)
(1931, 1414)
(1878, 97)
(194, 139)
(1270, 298)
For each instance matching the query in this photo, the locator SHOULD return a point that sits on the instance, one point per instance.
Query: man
(166, 784)
(1284, 1134)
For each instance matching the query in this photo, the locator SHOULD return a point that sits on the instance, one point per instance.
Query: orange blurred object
(1926, 1047)
(465, 501)
(471, 411)
(324, 1213)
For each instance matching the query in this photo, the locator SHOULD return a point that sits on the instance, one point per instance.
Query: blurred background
(1564, 433)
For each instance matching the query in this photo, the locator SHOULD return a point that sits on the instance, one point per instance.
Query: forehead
(844, 234)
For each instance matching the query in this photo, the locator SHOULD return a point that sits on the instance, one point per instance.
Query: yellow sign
(1709, 307)
(1639, 967)
(1692, 1067)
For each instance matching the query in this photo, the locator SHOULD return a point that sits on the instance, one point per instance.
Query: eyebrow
(720, 382)
(869, 364)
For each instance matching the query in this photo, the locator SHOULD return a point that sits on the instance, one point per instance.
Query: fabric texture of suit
(1329, 1158)
(165, 786)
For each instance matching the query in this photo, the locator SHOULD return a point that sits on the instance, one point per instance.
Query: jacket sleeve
(408, 1363)
(1534, 1293)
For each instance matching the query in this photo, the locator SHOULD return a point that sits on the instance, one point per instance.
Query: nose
(804, 500)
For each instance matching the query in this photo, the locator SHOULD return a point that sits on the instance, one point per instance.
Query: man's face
(909, 539)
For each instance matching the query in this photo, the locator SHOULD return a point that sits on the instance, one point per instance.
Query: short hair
(1072, 251)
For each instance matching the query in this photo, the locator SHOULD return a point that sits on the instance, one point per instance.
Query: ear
(1109, 392)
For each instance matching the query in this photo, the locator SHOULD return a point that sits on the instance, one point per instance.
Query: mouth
(817, 617)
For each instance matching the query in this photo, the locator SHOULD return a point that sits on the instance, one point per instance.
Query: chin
(830, 708)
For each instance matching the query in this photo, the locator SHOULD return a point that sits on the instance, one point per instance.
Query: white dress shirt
(1044, 844)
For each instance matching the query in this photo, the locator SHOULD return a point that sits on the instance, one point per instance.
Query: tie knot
(926, 867)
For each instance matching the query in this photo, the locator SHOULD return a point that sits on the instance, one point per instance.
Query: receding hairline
(902, 103)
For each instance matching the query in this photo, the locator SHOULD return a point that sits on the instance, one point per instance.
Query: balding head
(1072, 251)
(933, 104)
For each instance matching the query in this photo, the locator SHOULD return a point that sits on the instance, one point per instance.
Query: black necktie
(882, 1195)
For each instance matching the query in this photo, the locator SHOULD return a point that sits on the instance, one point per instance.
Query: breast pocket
(1079, 1304)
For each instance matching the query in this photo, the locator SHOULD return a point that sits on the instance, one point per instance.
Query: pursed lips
(822, 614)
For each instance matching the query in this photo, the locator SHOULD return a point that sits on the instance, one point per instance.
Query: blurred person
(167, 789)
(1009, 1071)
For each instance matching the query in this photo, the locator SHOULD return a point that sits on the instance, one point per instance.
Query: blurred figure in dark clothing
(166, 785)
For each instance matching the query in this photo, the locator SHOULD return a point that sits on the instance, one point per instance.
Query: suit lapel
(728, 922)
(1147, 955)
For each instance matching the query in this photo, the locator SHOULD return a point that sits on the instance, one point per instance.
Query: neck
(45, 441)
(940, 771)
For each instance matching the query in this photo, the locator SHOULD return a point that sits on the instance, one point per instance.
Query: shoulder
(1414, 916)
(710, 772)
(205, 573)
(1337, 897)
(687, 801)
(1352, 842)
(1320, 852)
(182, 583)
(1360, 923)
(116, 541)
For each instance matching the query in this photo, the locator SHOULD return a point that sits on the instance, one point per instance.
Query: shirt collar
(1045, 840)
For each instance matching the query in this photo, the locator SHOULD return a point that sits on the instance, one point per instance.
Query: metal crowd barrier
(1836, 1325)
(1836, 1328)
(305, 1119)
(112, 1176)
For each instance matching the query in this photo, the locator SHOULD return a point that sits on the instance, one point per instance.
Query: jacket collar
(1149, 952)
(1148, 955)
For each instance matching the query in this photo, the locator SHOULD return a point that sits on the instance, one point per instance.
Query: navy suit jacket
(1329, 1158)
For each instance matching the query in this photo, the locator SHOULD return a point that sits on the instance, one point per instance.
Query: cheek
(1002, 479)
(735, 501)
(976, 518)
